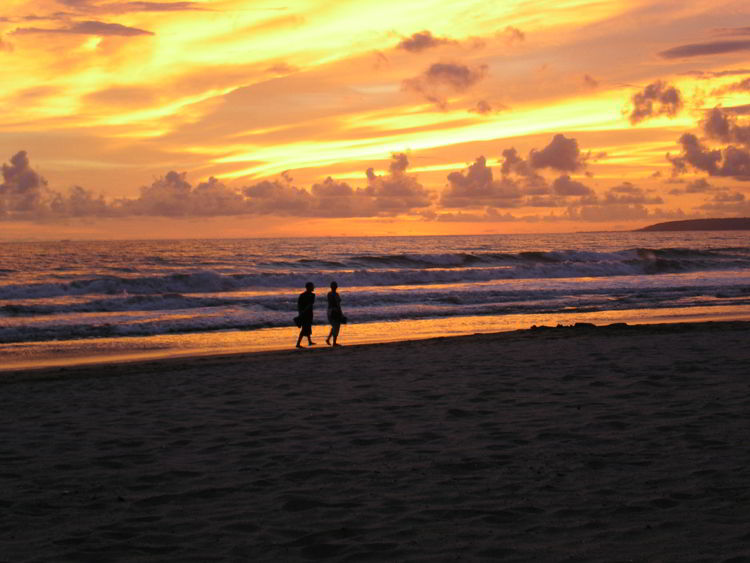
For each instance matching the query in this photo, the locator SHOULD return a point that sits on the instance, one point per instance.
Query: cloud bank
(521, 183)
(542, 179)
(25, 195)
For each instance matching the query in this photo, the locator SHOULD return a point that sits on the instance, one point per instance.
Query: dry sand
(581, 444)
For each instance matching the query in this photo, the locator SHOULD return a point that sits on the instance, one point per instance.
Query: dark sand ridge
(582, 444)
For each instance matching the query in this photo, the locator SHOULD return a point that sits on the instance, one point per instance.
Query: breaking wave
(397, 269)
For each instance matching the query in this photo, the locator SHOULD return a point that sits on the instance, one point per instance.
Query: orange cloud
(110, 94)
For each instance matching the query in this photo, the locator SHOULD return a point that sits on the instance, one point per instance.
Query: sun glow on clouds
(246, 91)
(224, 35)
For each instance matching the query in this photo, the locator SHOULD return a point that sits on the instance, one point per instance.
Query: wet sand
(582, 444)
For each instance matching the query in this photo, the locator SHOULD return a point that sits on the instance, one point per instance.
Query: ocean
(75, 302)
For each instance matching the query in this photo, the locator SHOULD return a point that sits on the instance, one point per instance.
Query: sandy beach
(621, 443)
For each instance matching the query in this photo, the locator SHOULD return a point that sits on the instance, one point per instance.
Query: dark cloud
(80, 202)
(619, 212)
(725, 197)
(212, 197)
(25, 195)
(458, 77)
(23, 189)
(730, 161)
(727, 204)
(627, 201)
(399, 164)
(736, 163)
(698, 186)
(624, 202)
(565, 186)
(534, 185)
(87, 28)
(396, 192)
(723, 127)
(561, 154)
(696, 155)
(386, 195)
(490, 215)
(278, 197)
(476, 187)
(628, 194)
(441, 79)
(544, 201)
(658, 98)
(338, 199)
(173, 196)
(515, 164)
(422, 40)
(330, 188)
(701, 49)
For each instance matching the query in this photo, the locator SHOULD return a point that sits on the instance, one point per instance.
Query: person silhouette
(335, 316)
(305, 303)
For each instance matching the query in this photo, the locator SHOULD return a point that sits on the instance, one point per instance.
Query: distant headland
(733, 224)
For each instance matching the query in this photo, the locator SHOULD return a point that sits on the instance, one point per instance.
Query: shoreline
(73, 354)
(211, 360)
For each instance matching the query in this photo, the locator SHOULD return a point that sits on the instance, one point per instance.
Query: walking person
(305, 304)
(335, 316)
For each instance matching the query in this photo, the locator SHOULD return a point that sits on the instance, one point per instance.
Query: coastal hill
(733, 224)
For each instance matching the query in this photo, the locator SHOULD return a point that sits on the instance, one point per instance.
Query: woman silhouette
(335, 316)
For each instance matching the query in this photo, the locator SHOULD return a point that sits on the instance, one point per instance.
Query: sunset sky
(226, 118)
